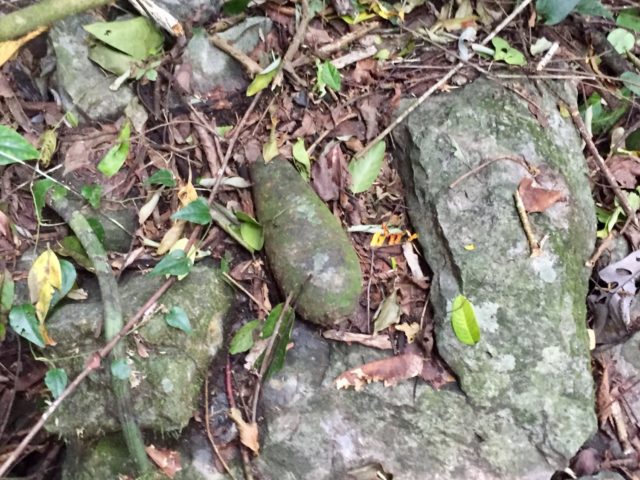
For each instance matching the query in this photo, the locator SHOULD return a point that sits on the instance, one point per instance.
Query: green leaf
(14, 148)
(603, 119)
(593, 7)
(116, 156)
(235, 7)
(621, 40)
(39, 194)
(92, 194)
(174, 263)
(464, 322)
(137, 37)
(388, 314)
(280, 347)
(365, 170)
(120, 369)
(22, 319)
(178, 318)
(7, 292)
(554, 11)
(69, 276)
(195, 212)
(222, 130)
(71, 119)
(327, 76)
(56, 381)
(111, 60)
(629, 18)
(242, 341)
(631, 80)
(302, 159)
(250, 230)
(263, 79)
(163, 177)
(270, 322)
(97, 228)
(70, 246)
(504, 52)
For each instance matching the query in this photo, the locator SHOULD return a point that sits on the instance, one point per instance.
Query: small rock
(82, 85)
(212, 67)
(184, 10)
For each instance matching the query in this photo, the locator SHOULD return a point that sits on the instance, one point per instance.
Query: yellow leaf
(248, 431)
(187, 194)
(410, 330)
(171, 237)
(48, 143)
(191, 255)
(44, 277)
(8, 48)
(470, 248)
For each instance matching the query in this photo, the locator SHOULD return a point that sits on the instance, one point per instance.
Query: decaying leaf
(625, 170)
(374, 341)
(10, 47)
(536, 199)
(248, 431)
(167, 460)
(388, 370)
(327, 172)
(171, 237)
(388, 313)
(48, 144)
(147, 209)
(410, 330)
(45, 276)
(187, 194)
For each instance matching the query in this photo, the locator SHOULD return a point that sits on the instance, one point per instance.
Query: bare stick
(455, 69)
(604, 245)
(258, 303)
(620, 195)
(294, 46)
(473, 171)
(534, 246)
(208, 427)
(246, 461)
(247, 62)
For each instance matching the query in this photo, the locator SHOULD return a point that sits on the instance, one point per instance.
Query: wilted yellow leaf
(45, 276)
(187, 194)
(248, 431)
(410, 330)
(171, 237)
(48, 144)
(8, 48)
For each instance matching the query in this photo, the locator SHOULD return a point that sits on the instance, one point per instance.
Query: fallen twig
(247, 62)
(534, 246)
(208, 428)
(605, 244)
(520, 161)
(440, 83)
(294, 46)
(246, 461)
(584, 133)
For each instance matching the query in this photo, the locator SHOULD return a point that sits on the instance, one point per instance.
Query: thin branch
(440, 83)
(473, 171)
(247, 62)
(294, 46)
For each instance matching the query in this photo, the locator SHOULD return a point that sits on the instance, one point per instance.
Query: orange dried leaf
(536, 199)
(248, 431)
(167, 460)
(388, 370)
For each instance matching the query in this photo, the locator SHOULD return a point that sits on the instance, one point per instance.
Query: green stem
(113, 321)
(27, 19)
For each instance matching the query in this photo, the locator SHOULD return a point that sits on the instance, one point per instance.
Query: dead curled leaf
(327, 172)
(167, 460)
(536, 199)
(248, 431)
(625, 170)
(375, 341)
(388, 370)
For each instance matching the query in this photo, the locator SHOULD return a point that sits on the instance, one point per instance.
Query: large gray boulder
(525, 403)
(166, 383)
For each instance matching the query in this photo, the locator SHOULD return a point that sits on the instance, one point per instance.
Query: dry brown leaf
(327, 172)
(536, 199)
(436, 374)
(625, 170)
(374, 341)
(369, 108)
(248, 431)
(409, 329)
(5, 226)
(316, 36)
(77, 156)
(167, 460)
(603, 396)
(388, 370)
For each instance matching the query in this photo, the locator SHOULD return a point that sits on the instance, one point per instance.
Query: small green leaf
(631, 80)
(39, 194)
(163, 177)
(7, 292)
(68, 279)
(22, 319)
(70, 246)
(222, 130)
(111, 60)
(250, 230)
(92, 194)
(56, 381)
(280, 348)
(178, 318)
(97, 228)
(235, 7)
(302, 159)
(594, 8)
(327, 76)
(621, 40)
(629, 18)
(195, 212)
(464, 322)
(242, 341)
(263, 79)
(365, 170)
(116, 156)
(120, 369)
(174, 263)
(382, 54)
(504, 52)
(71, 119)
(271, 320)
(14, 148)
(554, 11)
